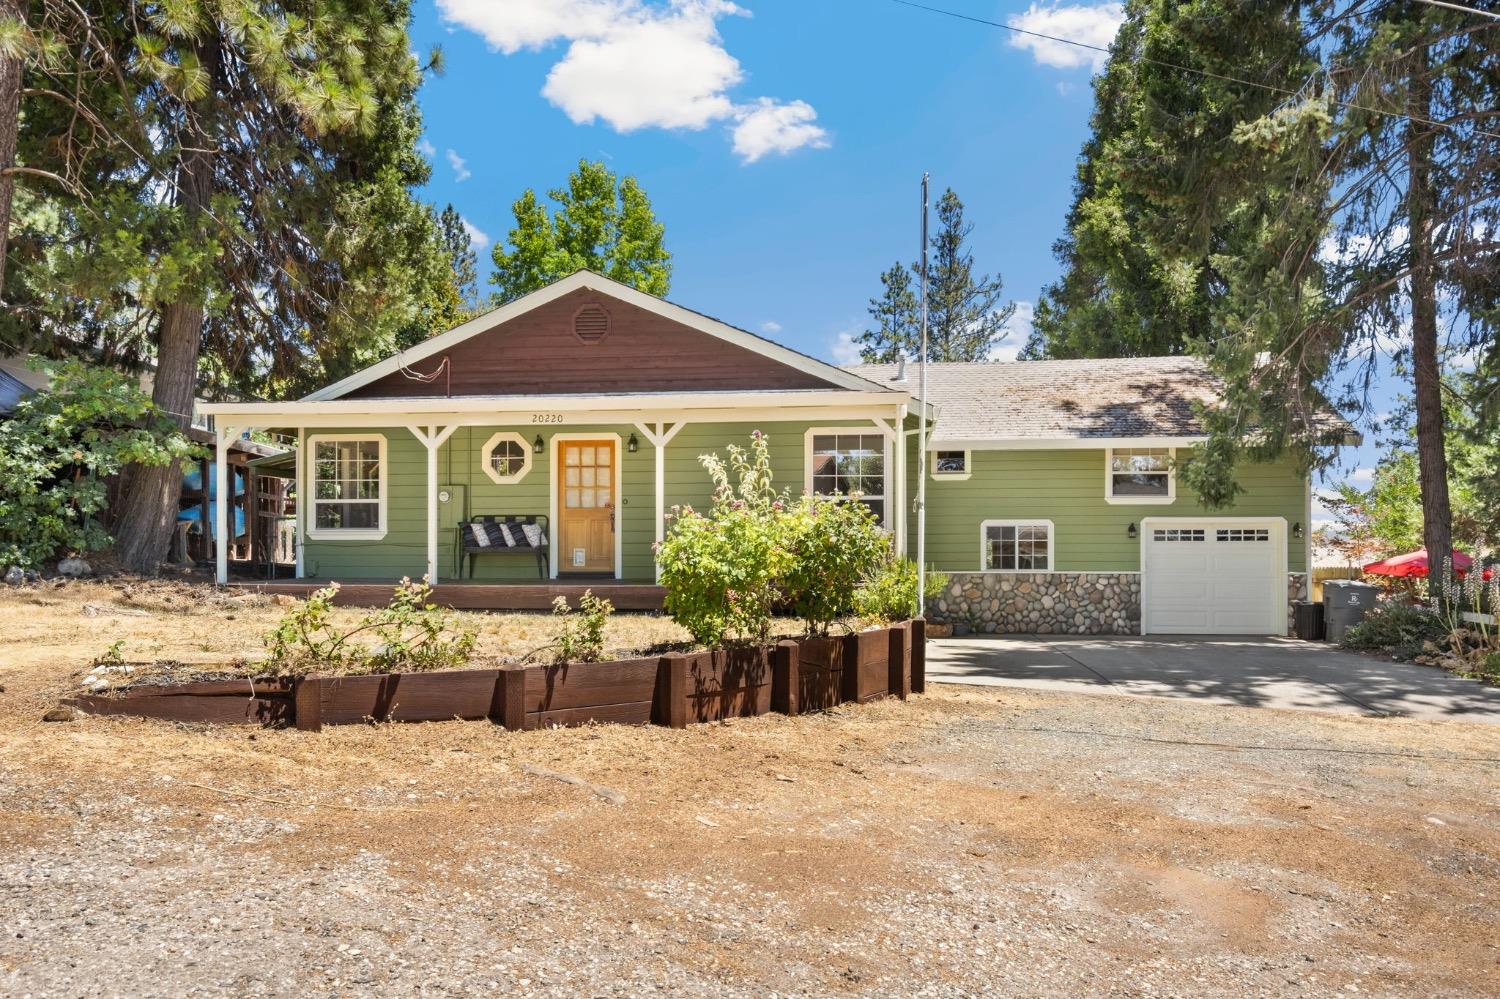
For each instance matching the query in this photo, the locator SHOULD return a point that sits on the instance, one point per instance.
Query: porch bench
(509, 534)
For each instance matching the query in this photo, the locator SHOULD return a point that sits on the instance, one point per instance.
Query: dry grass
(967, 842)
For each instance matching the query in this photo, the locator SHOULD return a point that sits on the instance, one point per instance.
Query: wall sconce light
(1131, 532)
(632, 445)
(1297, 530)
(538, 444)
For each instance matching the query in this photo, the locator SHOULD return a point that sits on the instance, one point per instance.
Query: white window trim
(489, 449)
(984, 530)
(1109, 480)
(952, 476)
(885, 497)
(344, 533)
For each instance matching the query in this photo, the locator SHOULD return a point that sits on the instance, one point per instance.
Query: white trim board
(599, 284)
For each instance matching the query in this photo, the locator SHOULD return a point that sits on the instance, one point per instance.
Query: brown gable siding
(538, 353)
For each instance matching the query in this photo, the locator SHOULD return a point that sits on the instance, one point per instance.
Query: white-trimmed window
(348, 479)
(949, 464)
(841, 461)
(1139, 475)
(506, 457)
(1016, 545)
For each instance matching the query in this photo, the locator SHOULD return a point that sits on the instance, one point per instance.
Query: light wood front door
(586, 506)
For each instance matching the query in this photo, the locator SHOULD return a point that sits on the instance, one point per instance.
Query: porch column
(659, 438)
(222, 437)
(892, 433)
(898, 441)
(299, 518)
(432, 438)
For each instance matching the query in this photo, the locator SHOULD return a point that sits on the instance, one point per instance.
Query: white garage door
(1213, 577)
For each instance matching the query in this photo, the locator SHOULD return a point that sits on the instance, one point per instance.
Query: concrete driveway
(1257, 672)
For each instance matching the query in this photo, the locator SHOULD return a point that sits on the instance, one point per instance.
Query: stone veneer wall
(1055, 603)
(1043, 603)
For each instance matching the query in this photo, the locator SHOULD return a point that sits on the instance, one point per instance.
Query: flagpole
(922, 426)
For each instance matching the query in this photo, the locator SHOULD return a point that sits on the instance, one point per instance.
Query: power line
(1460, 7)
(1185, 69)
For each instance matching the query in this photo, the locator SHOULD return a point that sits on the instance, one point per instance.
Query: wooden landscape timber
(791, 677)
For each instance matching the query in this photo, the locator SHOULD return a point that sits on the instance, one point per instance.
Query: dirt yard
(968, 842)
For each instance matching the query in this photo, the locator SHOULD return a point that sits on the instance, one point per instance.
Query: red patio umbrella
(1415, 564)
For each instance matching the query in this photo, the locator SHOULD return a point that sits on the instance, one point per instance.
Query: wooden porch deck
(625, 595)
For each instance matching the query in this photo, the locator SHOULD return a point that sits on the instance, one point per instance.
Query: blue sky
(781, 141)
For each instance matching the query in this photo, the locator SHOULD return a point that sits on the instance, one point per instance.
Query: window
(1139, 475)
(506, 457)
(348, 487)
(950, 464)
(1016, 545)
(1243, 534)
(841, 462)
(1178, 534)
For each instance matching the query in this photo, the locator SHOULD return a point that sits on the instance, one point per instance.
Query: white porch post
(432, 438)
(898, 441)
(659, 438)
(299, 518)
(223, 436)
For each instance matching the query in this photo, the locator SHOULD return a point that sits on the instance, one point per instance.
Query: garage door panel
(1213, 577)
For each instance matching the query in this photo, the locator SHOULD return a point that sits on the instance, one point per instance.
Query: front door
(586, 506)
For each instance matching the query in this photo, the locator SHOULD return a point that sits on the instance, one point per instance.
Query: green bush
(835, 548)
(57, 449)
(410, 635)
(890, 594)
(580, 638)
(1395, 626)
(722, 570)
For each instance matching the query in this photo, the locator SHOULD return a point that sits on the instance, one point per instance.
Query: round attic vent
(590, 323)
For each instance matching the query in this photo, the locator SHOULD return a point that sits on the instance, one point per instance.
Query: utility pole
(922, 426)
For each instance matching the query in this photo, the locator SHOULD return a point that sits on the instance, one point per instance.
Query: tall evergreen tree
(965, 320)
(459, 245)
(245, 209)
(601, 223)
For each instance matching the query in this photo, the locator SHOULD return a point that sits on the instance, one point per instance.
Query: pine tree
(965, 320)
(457, 242)
(600, 224)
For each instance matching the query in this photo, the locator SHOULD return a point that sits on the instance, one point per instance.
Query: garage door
(1213, 577)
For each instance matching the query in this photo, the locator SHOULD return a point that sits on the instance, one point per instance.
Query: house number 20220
(546, 418)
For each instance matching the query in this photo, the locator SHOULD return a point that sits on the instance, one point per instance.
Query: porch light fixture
(538, 444)
(632, 444)
(1297, 530)
(1131, 532)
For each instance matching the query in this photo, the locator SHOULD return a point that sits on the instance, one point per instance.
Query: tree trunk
(1432, 457)
(149, 508)
(10, 115)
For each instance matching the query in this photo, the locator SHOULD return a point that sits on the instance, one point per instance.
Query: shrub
(722, 570)
(835, 548)
(891, 593)
(1394, 625)
(410, 635)
(581, 636)
(59, 446)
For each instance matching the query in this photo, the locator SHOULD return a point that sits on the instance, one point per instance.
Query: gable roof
(1139, 397)
(490, 322)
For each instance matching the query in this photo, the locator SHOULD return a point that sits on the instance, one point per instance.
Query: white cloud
(460, 167)
(770, 326)
(1017, 332)
(1362, 475)
(478, 238)
(1091, 25)
(844, 349)
(426, 148)
(768, 127)
(633, 64)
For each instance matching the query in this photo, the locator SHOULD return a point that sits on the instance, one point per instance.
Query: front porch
(625, 595)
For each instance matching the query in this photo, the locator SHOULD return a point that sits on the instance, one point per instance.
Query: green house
(575, 416)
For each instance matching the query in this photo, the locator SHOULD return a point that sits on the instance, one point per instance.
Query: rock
(74, 568)
(15, 576)
(60, 715)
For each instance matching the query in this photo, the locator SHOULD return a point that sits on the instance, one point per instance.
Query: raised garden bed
(791, 677)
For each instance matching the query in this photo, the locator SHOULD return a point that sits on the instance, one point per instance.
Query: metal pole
(922, 427)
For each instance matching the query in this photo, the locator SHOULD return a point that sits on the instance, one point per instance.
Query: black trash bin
(1345, 602)
(1307, 620)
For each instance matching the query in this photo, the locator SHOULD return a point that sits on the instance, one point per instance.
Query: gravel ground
(969, 842)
